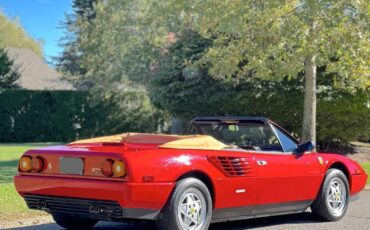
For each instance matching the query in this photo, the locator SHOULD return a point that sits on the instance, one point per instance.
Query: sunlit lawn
(367, 169)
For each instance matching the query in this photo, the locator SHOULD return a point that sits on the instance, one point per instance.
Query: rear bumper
(136, 200)
(94, 209)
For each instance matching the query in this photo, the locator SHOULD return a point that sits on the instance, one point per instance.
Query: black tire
(72, 222)
(169, 219)
(321, 207)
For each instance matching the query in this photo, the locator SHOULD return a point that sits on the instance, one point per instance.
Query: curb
(27, 222)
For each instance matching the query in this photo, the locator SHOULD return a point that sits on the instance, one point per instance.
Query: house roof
(35, 73)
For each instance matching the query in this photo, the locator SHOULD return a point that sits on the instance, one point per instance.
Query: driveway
(357, 217)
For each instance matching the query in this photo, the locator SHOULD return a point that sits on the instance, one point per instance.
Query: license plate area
(71, 165)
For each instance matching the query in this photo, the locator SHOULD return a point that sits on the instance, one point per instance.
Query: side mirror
(310, 145)
(305, 147)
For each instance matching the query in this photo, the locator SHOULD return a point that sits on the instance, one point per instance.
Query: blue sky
(40, 18)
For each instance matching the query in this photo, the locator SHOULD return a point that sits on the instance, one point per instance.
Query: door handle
(261, 162)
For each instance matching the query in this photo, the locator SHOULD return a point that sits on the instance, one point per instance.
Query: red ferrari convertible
(227, 168)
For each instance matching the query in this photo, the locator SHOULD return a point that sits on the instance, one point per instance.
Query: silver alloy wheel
(192, 211)
(336, 196)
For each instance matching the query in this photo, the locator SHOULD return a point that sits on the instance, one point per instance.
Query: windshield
(256, 136)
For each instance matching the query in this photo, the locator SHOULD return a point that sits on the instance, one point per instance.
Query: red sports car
(227, 168)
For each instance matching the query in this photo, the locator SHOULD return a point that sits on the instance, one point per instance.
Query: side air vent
(231, 166)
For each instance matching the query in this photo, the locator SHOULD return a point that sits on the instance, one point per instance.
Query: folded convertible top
(196, 142)
(162, 140)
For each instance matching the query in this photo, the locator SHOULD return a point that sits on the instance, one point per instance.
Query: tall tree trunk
(309, 110)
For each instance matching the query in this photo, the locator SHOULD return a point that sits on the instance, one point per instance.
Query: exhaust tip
(94, 209)
(43, 205)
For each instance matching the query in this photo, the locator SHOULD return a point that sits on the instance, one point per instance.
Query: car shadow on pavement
(303, 218)
(299, 218)
(100, 226)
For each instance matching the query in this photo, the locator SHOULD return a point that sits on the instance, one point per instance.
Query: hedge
(41, 116)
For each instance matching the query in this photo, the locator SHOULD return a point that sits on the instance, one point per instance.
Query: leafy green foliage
(273, 38)
(116, 48)
(34, 116)
(242, 58)
(13, 35)
(184, 91)
(84, 8)
(188, 92)
(69, 62)
(96, 57)
(343, 118)
(8, 71)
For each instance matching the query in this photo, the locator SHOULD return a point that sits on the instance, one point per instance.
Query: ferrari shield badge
(320, 160)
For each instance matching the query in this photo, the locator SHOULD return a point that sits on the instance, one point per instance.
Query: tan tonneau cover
(163, 140)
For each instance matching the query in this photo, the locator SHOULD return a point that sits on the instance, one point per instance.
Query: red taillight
(25, 164)
(119, 169)
(31, 164)
(106, 168)
(113, 168)
(37, 164)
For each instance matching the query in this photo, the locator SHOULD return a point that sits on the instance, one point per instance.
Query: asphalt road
(357, 217)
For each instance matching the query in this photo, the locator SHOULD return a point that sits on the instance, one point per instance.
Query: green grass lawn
(367, 169)
(12, 205)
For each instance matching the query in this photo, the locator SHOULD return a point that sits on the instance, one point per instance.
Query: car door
(284, 176)
(271, 176)
(303, 170)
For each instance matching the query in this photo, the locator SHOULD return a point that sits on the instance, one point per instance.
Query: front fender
(357, 176)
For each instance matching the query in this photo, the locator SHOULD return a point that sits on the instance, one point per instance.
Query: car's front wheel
(72, 222)
(188, 208)
(332, 201)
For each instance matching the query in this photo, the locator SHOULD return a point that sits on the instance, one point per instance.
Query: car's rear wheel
(332, 201)
(72, 222)
(188, 208)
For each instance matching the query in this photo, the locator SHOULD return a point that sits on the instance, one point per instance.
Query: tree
(121, 44)
(85, 8)
(8, 71)
(13, 35)
(187, 92)
(276, 39)
(69, 62)
(95, 58)
(275, 44)
(109, 46)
